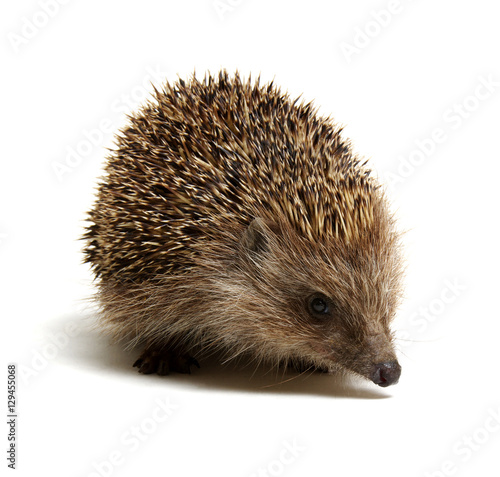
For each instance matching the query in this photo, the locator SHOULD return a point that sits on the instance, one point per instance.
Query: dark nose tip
(385, 374)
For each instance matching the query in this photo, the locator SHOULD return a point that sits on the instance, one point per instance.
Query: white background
(403, 77)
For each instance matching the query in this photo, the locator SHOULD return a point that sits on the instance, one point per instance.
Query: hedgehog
(231, 219)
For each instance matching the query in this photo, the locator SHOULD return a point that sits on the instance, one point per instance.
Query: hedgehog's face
(327, 307)
(344, 338)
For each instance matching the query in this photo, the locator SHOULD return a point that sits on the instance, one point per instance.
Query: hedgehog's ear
(255, 237)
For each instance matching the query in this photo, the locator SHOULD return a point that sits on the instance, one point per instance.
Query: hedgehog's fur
(225, 206)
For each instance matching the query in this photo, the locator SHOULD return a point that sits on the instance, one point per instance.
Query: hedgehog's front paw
(165, 362)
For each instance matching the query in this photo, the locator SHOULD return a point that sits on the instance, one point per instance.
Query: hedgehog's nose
(385, 374)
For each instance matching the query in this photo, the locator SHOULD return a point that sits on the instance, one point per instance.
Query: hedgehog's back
(205, 156)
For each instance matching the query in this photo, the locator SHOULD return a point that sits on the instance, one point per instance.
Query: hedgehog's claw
(147, 364)
(192, 362)
(184, 362)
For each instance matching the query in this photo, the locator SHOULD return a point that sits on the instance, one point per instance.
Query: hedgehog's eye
(318, 305)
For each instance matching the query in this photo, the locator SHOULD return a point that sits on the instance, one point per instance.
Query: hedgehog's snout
(385, 374)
